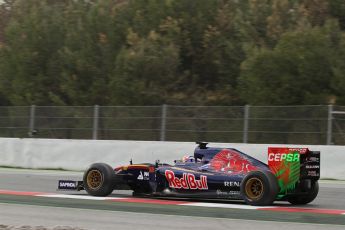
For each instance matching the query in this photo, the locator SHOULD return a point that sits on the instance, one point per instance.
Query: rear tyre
(305, 199)
(259, 188)
(98, 180)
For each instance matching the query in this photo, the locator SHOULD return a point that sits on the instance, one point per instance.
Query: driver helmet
(188, 159)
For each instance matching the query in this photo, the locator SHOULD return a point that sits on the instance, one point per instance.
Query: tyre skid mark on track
(175, 202)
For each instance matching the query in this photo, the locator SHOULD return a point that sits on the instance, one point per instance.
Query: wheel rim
(94, 179)
(254, 188)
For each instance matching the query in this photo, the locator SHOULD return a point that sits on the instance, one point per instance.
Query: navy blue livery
(212, 172)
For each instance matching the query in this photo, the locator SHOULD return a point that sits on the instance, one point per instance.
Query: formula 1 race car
(291, 175)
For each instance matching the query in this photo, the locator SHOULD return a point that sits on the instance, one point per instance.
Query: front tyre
(307, 198)
(98, 180)
(259, 188)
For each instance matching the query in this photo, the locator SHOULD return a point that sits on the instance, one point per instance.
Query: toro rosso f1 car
(291, 175)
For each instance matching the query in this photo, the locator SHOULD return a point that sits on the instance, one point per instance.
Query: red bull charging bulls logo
(188, 181)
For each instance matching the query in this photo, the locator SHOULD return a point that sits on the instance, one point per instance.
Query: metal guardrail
(315, 124)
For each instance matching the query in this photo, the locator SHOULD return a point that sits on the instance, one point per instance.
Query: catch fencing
(315, 124)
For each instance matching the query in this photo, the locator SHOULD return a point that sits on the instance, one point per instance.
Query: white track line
(78, 197)
(196, 204)
(193, 204)
(219, 205)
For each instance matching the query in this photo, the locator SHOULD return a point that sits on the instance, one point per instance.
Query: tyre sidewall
(270, 188)
(305, 199)
(108, 175)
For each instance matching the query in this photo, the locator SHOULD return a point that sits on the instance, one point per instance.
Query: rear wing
(293, 165)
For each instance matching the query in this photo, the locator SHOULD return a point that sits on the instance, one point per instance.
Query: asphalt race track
(29, 198)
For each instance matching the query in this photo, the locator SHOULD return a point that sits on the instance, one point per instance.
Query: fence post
(245, 123)
(329, 124)
(32, 131)
(95, 122)
(163, 122)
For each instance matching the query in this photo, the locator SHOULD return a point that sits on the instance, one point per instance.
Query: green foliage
(145, 70)
(33, 36)
(145, 52)
(337, 10)
(299, 70)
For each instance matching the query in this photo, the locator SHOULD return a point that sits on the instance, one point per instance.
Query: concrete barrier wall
(79, 154)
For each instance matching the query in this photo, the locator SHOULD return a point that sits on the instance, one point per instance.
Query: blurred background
(252, 71)
(235, 124)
